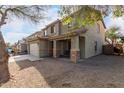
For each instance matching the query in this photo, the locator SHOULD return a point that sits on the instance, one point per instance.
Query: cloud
(14, 36)
(110, 21)
(13, 31)
(15, 25)
(52, 15)
(17, 29)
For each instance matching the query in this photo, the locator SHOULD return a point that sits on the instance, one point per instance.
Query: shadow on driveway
(99, 71)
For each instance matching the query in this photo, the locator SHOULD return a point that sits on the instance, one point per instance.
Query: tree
(91, 13)
(30, 13)
(112, 35)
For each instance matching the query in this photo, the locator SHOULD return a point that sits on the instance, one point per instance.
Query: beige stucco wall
(57, 29)
(95, 33)
(64, 28)
(60, 28)
(43, 48)
(91, 36)
(75, 43)
(28, 47)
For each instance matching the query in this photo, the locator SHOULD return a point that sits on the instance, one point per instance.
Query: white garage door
(34, 49)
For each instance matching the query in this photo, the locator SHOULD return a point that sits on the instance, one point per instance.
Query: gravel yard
(99, 71)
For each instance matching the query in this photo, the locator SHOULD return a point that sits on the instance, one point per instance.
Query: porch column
(55, 49)
(28, 48)
(75, 50)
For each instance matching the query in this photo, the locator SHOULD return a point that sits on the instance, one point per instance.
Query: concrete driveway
(100, 71)
(23, 57)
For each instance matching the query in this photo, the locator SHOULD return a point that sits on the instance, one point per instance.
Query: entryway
(82, 47)
(50, 48)
(65, 47)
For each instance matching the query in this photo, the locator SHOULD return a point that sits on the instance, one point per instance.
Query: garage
(34, 49)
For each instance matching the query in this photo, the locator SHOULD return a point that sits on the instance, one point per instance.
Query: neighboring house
(22, 46)
(14, 49)
(58, 40)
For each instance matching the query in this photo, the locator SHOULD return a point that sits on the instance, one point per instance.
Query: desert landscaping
(100, 71)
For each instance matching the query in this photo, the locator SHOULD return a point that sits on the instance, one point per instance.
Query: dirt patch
(4, 73)
(66, 85)
(100, 71)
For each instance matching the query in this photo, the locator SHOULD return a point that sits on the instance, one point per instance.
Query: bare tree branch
(32, 13)
(1, 6)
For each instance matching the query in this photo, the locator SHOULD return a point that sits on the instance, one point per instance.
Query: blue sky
(17, 29)
(111, 21)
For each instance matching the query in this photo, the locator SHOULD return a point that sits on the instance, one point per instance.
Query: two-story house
(59, 40)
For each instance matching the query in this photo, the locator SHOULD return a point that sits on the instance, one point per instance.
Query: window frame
(52, 29)
(45, 32)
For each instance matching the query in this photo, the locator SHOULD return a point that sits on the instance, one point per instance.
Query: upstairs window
(72, 25)
(52, 29)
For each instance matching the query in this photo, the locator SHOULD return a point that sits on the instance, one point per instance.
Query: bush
(118, 49)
